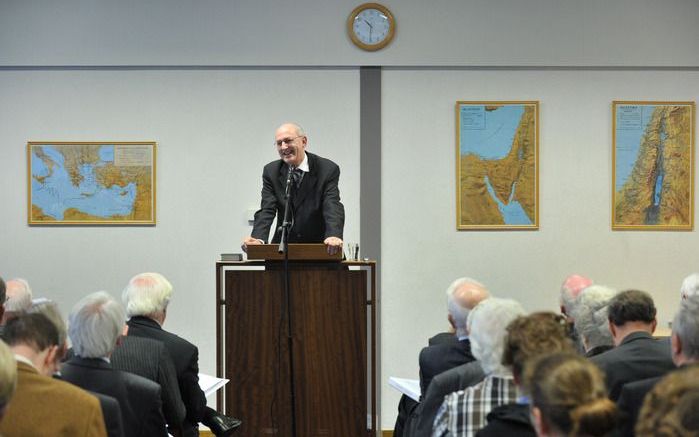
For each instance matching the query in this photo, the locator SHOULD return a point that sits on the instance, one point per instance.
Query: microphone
(288, 181)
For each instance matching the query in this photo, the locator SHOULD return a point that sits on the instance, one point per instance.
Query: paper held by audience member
(210, 384)
(409, 387)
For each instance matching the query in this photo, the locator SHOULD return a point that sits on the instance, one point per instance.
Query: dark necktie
(296, 176)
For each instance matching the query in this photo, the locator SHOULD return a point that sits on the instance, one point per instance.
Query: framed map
(497, 172)
(653, 165)
(76, 183)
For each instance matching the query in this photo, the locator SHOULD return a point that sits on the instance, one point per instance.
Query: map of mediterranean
(91, 183)
(498, 164)
(652, 165)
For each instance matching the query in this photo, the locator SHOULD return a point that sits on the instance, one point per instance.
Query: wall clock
(371, 26)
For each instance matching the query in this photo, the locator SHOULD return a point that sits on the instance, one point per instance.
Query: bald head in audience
(570, 289)
(18, 299)
(462, 296)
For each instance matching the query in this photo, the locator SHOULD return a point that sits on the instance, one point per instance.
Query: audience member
(670, 409)
(570, 289)
(527, 337)
(568, 397)
(591, 320)
(464, 413)
(146, 297)
(94, 327)
(690, 286)
(18, 299)
(636, 355)
(8, 376)
(462, 296)
(57, 408)
(685, 352)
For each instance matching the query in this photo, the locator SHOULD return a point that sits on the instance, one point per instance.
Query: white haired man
(690, 286)
(95, 324)
(591, 321)
(146, 297)
(463, 413)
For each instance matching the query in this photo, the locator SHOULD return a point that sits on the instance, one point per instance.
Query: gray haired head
(94, 325)
(690, 286)
(591, 316)
(685, 326)
(487, 326)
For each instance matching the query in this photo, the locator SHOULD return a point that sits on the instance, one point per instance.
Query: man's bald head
(462, 296)
(570, 289)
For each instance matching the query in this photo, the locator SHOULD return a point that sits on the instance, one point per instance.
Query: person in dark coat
(94, 326)
(637, 354)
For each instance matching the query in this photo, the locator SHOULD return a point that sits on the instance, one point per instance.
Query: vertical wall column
(370, 164)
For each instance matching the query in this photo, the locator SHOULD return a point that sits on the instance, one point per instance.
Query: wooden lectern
(325, 383)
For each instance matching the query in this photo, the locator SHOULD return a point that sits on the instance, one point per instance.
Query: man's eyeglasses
(286, 141)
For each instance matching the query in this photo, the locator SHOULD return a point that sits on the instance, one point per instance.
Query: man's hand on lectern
(249, 241)
(334, 245)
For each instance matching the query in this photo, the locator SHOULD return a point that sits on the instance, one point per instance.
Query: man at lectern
(317, 213)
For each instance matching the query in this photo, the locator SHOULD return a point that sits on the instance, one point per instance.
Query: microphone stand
(283, 243)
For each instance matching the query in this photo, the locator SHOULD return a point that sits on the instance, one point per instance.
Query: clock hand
(368, 24)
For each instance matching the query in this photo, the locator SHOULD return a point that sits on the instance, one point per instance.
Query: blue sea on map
(513, 213)
(494, 140)
(628, 138)
(57, 193)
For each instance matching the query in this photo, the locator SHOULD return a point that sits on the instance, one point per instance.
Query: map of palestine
(653, 170)
(91, 183)
(497, 180)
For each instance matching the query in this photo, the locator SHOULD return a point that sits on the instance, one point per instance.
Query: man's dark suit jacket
(440, 357)
(110, 409)
(139, 398)
(112, 415)
(317, 211)
(150, 359)
(185, 356)
(638, 356)
(630, 402)
(458, 378)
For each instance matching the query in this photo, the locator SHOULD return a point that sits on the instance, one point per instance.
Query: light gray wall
(213, 118)
(312, 32)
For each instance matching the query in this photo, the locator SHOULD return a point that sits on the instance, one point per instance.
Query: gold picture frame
(497, 171)
(653, 165)
(91, 183)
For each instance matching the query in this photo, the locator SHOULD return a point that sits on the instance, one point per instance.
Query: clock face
(371, 26)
